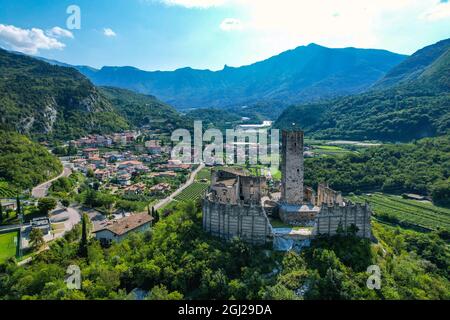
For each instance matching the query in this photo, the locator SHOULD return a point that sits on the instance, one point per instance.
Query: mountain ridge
(306, 73)
(413, 106)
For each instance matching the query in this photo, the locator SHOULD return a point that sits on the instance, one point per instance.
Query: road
(41, 190)
(170, 198)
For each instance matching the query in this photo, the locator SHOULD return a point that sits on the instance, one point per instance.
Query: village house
(118, 230)
(165, 174)
(91, 153)
(138, 188)
(124, 178)
(161, 187)
(102, 174)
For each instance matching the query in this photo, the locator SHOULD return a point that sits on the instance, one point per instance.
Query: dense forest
(23, 163)
(414, 105)
(143, 110)
(421, 167)
(40, 99)
(176, 259)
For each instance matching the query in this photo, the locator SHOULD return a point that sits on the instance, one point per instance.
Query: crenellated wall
(330, 217)
(227, 221)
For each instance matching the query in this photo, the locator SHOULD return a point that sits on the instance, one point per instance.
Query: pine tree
(83, 250)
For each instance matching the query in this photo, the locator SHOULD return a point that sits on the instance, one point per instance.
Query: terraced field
(8, 247)
(193, 192)
(5, 192)
(421, 214)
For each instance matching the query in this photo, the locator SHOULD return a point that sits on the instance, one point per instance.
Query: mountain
(42, 99)
(46, 100)
(411, 102)
(303, 74)
(415, 67)
(143, 110)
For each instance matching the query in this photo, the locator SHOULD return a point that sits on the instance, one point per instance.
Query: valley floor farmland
(409, 212)
(8, 246)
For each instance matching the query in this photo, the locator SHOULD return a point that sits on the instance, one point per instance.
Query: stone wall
(227, 221)
(292, 167)
(330, 217)
(326, 195)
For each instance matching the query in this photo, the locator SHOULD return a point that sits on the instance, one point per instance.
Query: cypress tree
(84, 240)
(18, 210)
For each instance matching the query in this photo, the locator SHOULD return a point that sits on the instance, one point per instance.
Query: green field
(8, 248)
(421, 214)
(204, 174)
(193, 192)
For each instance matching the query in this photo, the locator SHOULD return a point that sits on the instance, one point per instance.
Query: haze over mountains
(306, 73)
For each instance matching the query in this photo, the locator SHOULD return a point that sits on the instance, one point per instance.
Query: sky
(208, 34)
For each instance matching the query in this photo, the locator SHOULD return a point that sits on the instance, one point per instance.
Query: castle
(239, 205)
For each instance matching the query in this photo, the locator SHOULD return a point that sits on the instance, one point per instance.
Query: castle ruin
(239, 205)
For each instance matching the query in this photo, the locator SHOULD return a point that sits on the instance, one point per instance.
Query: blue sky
(207, 34)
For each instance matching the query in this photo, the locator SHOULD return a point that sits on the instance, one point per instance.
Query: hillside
(302, 74)
(49, 101)
(23, 163)
(416, 107)
(143, 110)
(415, 67)
(422, 167)
(40, 99)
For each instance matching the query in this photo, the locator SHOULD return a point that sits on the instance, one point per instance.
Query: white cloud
(57, 32)
(28, 41)
(230, 24)
(194, 3)
(109, 32)
(439, 12)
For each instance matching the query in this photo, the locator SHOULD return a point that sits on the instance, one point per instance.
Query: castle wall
(227, 221)
(330, 217)
(328, 196)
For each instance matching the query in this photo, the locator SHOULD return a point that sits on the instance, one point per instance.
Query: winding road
(41, 190)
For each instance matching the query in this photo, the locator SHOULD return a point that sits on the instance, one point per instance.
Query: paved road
(41, 190)
(170, 198)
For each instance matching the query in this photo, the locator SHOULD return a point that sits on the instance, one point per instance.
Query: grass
(193, 192)
(204, 174)
(410, 212)
(8, 248)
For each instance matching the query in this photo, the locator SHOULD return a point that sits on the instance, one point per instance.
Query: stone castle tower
(292, 167)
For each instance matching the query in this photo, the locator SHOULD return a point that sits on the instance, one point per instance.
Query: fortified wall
(245, 221)
(331, 217)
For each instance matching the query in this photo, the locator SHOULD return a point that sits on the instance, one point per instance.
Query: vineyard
(409, 212)
(193, 192)
(5, 191)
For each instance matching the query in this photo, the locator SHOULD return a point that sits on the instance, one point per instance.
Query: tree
(45, 205)
(161, 293)
(65, 202)
(18, 210)
(1, 214)
(156, 217)
(36, 238)
(83, 250)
